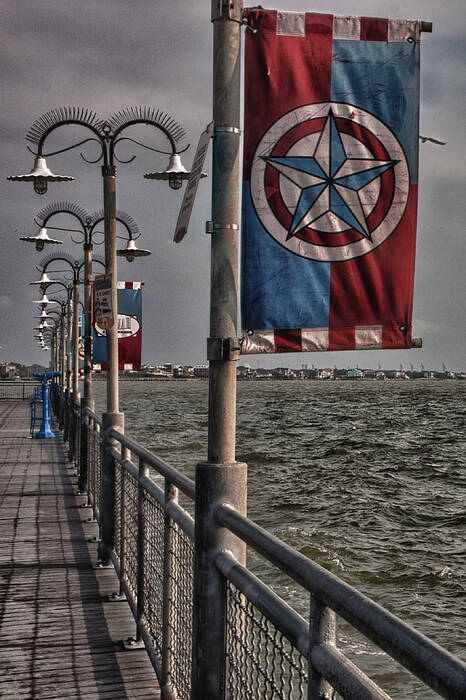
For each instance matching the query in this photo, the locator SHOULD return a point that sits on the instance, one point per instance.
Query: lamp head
(131, 251)
(45, 279)
(41, 239)
(175, 173)
(44, 301)
(40, 175)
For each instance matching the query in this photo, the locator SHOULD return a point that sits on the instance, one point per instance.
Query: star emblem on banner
(329, 181)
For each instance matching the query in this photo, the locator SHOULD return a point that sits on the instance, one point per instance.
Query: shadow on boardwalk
(59, 638)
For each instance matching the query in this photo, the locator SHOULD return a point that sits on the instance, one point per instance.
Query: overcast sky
(109, 54)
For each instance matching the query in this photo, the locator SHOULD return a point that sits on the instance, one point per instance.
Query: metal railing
(11, 390)
(269, 651)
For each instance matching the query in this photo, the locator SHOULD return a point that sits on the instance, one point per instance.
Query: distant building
(283, 373)
(396, 374)
(354, 373)
(185, 372)
(326, 373)
(8, 370)
(201, 371)
(244, 372)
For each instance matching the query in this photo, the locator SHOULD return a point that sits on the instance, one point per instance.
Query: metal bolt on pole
(221, 479)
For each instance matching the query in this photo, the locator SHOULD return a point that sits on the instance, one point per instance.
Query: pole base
(131, 643)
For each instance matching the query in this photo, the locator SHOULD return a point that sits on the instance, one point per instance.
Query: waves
(366, 478)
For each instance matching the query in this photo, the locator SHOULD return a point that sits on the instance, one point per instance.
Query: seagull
(427, 138)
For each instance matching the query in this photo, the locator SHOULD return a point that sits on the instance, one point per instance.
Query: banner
(103, 301)
(330, 182)
(129, 330)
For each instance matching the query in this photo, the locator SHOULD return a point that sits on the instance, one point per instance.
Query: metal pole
(62, 352)
(322, 631)
(109, 177)
(88, 398)
(112, 417)
(87, 401)
(69, 334)
(221, 479)
(69, 323)
(75, 367)
(62, 368)
(168, 607)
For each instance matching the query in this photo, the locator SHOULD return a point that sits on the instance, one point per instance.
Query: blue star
(329, 181)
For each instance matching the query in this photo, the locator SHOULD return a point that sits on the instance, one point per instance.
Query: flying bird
(428, 138)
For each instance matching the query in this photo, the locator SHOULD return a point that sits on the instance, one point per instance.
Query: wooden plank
(59, 637)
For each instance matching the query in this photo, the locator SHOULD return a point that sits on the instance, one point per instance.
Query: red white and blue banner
(129, 330)
(330, 182)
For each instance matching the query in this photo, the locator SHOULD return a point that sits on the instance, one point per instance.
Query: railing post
(66, 416)
(107, 501)
(143, 471)
(94, 429)
(171, 494)
(83, 479)
(322, 629)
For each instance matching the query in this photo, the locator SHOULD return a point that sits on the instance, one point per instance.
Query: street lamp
(131, 251)
(40, 240)
(106, 133)
(61, 351)
(76, 267)
(88, 231)
(44, 301)
(40, 175)
(175, 173)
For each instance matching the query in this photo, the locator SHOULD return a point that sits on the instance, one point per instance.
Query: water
(366, 478)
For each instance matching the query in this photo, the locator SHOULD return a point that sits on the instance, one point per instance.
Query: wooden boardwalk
(59, 637)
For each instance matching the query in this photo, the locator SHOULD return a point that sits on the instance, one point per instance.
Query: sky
(109, 54)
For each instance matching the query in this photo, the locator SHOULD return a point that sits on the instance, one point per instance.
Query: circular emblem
(329, 181)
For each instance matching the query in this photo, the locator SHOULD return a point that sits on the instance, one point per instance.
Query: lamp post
(88, 232)
(72, 290)
(107, 134)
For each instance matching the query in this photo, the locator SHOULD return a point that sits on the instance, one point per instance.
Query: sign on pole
(191, 187)
(103, 302)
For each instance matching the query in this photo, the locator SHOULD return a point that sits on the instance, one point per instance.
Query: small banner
(103, 301)
(330, 182)
(129, 330)
(195, 175)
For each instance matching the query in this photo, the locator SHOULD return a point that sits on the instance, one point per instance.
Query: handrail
(345, 676)
(427, 660)
(91, 414)
(178, 514)
(175, 477)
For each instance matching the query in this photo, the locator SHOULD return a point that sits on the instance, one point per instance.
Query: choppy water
(366, 478)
